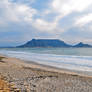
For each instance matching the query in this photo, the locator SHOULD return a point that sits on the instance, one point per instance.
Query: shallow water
(69, 58)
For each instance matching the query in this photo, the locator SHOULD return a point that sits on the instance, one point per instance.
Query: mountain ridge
(81, 44)
(51, 43)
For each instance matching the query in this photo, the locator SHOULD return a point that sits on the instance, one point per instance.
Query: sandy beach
(25, 77)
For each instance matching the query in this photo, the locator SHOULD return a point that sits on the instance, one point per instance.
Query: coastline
(34, 77)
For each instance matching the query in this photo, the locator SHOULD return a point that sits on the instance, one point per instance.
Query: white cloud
(20, 12)
(49, 27)
(44, 25)
(13, 12)
(83, 20)
(62, 8)
(65, 7)
(7, 11)
(68, 6)
(25, 13)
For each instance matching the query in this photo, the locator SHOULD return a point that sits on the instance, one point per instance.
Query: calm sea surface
(69, 58)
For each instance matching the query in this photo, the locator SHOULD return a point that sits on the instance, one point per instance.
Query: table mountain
(51, 43)
(45, 43)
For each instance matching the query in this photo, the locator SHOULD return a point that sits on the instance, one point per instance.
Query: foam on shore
(80, 63)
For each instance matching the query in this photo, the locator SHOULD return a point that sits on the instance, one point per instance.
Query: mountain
(45, 43)
(51, 43)
(82, 45)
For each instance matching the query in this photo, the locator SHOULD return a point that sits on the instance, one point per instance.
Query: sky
(23, 20)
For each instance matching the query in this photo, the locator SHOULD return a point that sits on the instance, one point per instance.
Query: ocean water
(69, 58)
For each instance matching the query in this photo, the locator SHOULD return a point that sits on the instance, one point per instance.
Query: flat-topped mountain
(81, 44)
(45, 43)
(51, 43)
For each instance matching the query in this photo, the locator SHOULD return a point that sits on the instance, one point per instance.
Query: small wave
(83, 63)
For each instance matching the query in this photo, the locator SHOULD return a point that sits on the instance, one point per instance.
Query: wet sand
(33, 77)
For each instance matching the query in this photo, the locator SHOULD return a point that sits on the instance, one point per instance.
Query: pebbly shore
(37, 78)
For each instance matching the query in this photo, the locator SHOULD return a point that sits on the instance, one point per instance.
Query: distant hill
(82, 45)
(45, 43)
(51, 43)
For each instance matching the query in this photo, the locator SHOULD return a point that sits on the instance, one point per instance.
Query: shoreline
(49, 67)
(25, 75)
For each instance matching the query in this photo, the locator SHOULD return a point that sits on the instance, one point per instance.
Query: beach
(45, 46)
(34, 77)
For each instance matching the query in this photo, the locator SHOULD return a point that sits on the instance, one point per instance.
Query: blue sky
(22, 20)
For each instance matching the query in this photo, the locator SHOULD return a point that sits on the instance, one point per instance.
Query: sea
(68, 58)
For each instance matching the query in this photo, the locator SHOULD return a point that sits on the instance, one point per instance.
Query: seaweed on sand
(1, 59)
